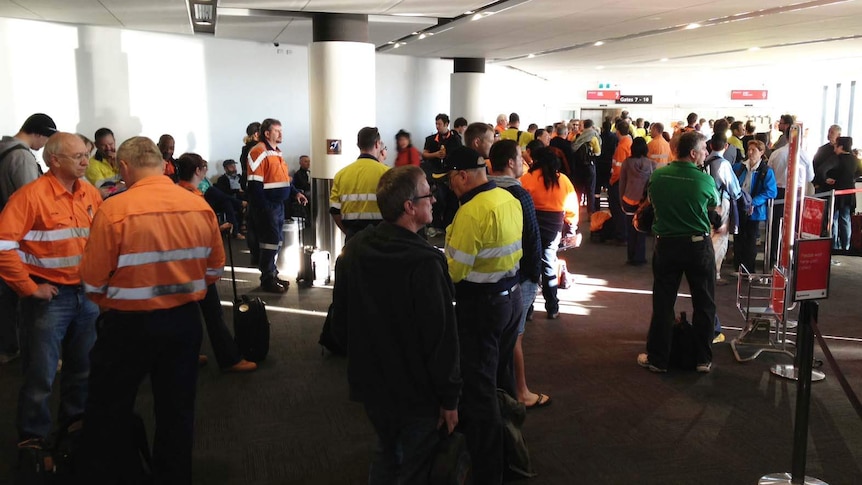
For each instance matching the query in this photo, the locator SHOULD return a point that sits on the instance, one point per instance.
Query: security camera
(275, 44)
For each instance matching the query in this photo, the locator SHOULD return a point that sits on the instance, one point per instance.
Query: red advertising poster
(603, 95)
(812, 217)
(778, 285)
(813, 261)
(749, 94)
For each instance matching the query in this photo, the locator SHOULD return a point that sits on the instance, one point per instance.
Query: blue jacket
(763, 191)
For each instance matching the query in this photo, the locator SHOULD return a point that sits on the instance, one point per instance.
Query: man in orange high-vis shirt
(152, 252)
(268, 187)
(658, 149)
(43, 230)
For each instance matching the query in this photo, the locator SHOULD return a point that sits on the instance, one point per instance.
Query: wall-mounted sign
(813, 262)
(635, 99)
(333, 147)
(746, 94)
(603, 95)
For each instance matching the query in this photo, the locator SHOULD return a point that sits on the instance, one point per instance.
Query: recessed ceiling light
(531, 56)
(753, 49)
(469, 12)
(421, 36)
(663, 59)
(391, 42)
(477, 16)
(397, 45)
(600, 67)
(599, 43)
(415, 33)
(692, 26)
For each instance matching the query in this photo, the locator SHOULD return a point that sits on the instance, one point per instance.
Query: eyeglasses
(75, 156)
(426, 196)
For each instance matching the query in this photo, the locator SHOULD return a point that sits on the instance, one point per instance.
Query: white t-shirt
(804, 168)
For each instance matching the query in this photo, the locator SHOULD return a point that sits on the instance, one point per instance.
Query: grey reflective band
(95, 289)
(57, 234)
(275, 185)
(500, 251)
(137, 259)
(8, 245)
(149, 292)
(273, 247)
(50, 263)
(352, 216)
(215, 272)
(358, 198)
(476, 277)
(460, 256)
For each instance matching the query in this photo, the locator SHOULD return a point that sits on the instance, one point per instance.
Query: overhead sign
(603, 95)
(813, 262)
(635, 99)
(747, 95)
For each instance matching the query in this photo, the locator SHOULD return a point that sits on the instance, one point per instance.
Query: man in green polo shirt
(682, 196)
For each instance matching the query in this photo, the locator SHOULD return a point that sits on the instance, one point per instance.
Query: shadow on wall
(103, 84)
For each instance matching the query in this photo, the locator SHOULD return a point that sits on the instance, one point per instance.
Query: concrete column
(342, 100)
(466, 89)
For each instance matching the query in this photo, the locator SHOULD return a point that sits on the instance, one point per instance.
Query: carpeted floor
(610, 422)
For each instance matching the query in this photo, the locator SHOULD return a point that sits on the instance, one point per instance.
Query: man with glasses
(268, 187)
(43, 230)
(353, 200)
(401, 327)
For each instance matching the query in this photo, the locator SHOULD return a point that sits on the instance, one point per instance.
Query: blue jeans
(636, 247)
(67, 322)
(405, 447)
(841, 228)
(528, 296)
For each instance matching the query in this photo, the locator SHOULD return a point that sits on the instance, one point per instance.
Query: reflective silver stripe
(57, 234)
(51, 263)
(352, 216)
(148, 292)
(476, 277)
(253, 164)
(8, 245)
(276, 185)
(501, 251)
(273, 153)
(95, 289)
(255, 178)
(137, 259)
(358, 198)
(335, 205)
(268, 246)
(215, 272)
(460, 256)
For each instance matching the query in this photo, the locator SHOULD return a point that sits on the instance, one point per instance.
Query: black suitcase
(250, 323)
(305, 277)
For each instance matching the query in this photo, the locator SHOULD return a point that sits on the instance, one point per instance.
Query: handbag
(645, 214)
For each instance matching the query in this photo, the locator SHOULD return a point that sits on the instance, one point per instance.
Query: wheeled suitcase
(314, 266)
(250, 323)
(856, 233)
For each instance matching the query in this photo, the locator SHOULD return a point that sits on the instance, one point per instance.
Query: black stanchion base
(787, 479)
(789, 371)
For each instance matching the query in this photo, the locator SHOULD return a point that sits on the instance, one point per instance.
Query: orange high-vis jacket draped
(43, 231)
(266, 165)
(153, 247)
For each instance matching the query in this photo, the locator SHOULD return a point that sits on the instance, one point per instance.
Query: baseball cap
(40, 124)
(462, 158)
(228, 162)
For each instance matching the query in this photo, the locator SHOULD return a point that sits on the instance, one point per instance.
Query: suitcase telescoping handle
(232, 271)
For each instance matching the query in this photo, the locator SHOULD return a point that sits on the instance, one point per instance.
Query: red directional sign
(603, 95)
(749, 95)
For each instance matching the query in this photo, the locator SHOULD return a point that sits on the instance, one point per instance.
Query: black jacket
(394, 296)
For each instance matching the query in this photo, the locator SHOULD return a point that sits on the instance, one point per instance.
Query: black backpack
(584, 156)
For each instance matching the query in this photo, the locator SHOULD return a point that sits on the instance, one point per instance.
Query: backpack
(10, 150)
(584, 156)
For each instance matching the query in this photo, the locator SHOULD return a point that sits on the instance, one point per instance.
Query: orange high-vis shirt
(43, 231)
(557, 199)
(153, 247)
(624, 151)
(658, 150)
(268, 167)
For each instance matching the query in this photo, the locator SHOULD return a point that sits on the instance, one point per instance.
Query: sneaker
(273, 286)
(643, 361)
(718, 338)
(554, 315)
(5, 358)
(704, 368)
(242, 366)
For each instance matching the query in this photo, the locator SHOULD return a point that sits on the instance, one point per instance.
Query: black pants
(163, 344)
(585, 180)
(224, 347)
(745, 246)
(487, 331)
(672, 258)
(777, 214)
(9, 323)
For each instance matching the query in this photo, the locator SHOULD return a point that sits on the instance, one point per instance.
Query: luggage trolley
(765, 329)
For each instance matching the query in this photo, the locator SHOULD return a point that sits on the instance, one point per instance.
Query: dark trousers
(636, 243)
(585, 180)
(487, 333)
(269, 223)
(9, 322)
(405, 448)
(224, 347)
(603, 175)
(251, 237)
(618, 217)
(745, 246)
(672, 258)
(163, 344)
(777, 214)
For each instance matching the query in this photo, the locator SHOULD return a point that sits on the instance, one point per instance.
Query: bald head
(66, 156)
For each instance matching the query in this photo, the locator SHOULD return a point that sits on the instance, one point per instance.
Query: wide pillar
(342, 100)
(466, 89)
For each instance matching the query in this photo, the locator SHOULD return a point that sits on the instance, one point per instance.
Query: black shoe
(273, 286)
(553, 316)
(284, 283)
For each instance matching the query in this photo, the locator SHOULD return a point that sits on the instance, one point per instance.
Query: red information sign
(749, 94)
(812, 217)
(778, 285)
(604, 95)
(813, 262)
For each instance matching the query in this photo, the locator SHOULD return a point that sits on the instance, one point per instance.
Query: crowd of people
(502, 199)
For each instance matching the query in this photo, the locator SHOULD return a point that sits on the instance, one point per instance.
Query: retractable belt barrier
(845, 385)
